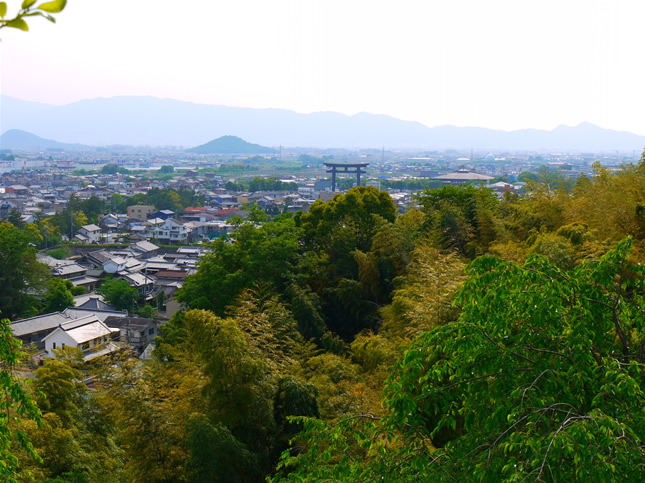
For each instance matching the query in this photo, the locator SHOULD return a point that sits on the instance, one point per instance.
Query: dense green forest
(469, 338)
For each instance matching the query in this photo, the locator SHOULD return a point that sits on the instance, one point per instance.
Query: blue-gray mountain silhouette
(167, 122)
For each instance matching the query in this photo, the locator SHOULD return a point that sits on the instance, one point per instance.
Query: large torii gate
(351, 168)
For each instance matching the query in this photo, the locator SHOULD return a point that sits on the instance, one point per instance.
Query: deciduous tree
(16, 404)
(266, 254)
(59, 297)
(540, 378)
(22, 277)
(120, 294)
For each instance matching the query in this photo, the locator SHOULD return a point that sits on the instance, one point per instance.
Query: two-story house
(88, 333)
(89, 234)
(172, 232)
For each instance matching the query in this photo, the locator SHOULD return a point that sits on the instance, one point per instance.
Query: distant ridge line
(148, 121)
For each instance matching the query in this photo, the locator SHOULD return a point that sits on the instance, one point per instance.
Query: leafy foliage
(238, 390)
(28, 9)
(268, 254)
(59, 297)
(22, 277)
(149, 405)
(347, 216)
(16, 404)
(167, 199)
(531, 382)
(216, 455)
(424, 297)
(76, 441)
(460, 218)
(271, 329)
(120, 294)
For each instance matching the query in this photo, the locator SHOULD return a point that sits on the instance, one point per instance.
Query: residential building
(163, 214)
(172, 232)
(89, 334)
(33, 329)
(140, 212)
(145, 249)
(115, 264)
(89, 234)
(137, 332)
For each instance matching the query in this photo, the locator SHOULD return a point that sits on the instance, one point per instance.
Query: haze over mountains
(18, 139)
(165, 122)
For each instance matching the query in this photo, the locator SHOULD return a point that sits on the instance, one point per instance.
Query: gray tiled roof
(38, 324)
(78, 312)
(146, 246)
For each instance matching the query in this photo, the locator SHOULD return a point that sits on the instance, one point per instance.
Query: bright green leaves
(120, 294)
(52, 7)
(357, 212)
(533, 374)
(27, 9)
(17, 23)
(22, 277)
(533, 381)
(269, 254)
(15, 404)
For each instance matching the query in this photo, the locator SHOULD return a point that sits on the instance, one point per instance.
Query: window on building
(54, 345)
(151, 331)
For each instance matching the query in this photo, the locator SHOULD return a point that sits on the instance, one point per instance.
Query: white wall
(60, 339)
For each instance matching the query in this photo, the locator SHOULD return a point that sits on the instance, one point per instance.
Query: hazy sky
(495, 63)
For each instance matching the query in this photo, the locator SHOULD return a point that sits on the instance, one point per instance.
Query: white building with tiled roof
(91, 232)
(88, 333)
(32, 330)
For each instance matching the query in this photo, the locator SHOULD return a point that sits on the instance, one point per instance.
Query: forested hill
(230, 145)
(472, 338)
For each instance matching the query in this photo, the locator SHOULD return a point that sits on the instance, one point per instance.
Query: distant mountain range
(230, 145)
(18, 139)
(165, 122)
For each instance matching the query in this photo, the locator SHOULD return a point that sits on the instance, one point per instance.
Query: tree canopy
(120, 294)
(541, 377)
(22, 277)
(266, 254)
(16, 404)
(468, 338)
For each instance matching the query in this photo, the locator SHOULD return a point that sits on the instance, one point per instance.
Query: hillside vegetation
(230, 145)
(470, 338)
